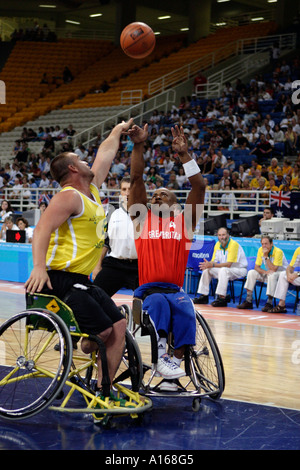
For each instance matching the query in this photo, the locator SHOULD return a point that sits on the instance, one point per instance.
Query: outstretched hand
(138, 134)
(179, 144)
(125, 125)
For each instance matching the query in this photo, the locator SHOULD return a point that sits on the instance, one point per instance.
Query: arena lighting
(222, 1)
(184, 29)
(72, 22)
(164, 17)
(94, 15)
(272, 1)
(259, 18)
(47, 6)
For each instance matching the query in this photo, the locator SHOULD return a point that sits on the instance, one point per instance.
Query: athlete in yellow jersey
(67, 244)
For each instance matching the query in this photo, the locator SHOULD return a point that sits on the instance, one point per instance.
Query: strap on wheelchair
(159, 290)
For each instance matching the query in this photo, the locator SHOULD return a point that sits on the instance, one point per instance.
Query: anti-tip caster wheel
(196, 404)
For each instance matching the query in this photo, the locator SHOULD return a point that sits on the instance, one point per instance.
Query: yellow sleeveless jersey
(77, 244)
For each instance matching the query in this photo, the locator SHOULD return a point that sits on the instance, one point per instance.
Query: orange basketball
(137, 40)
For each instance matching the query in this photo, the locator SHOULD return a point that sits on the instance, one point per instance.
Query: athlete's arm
(138, 194)
(61, 207)
(194, 204)
(107, 152)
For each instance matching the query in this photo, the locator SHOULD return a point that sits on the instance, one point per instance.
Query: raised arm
(138, 193)
(195, 201)
(107, 152)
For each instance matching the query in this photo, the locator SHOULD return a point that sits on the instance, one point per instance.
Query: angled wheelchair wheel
(130, 372)
(35, 359)
(205, 362)
(126, 311)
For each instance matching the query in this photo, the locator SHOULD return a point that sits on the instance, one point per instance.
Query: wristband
(191, 168)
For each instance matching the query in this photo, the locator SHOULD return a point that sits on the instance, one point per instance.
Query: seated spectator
(278, 134)
(42, 207)
(272, 184)
(44, 183)
(7, 225)
(295, 175)
(240, 142)
(274, 167)
(230, 164)
(16, 189)
(22, 153)
(286, 185)
(289, 276)
(254, 183)
(228, 262)
(228, 200)
(6, 209)
(287, 168)
(270, 261)
(219, 159)
(181, 178)
(267, 214)
(172, 184)
(23, 224)
(67, 75)
(263, 149)
(290, 142)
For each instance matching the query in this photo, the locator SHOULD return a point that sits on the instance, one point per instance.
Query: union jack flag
(280, 198)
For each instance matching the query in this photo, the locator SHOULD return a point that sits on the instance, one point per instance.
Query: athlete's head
(66, 163)
(164, 202)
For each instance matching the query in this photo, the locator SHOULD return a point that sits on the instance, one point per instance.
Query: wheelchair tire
(131, 367)
(207, 371)
(32, 372)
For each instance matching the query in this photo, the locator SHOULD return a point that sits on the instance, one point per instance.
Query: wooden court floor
(261, 356)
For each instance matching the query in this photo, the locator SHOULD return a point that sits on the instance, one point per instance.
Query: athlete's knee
(120, 327)
(105, 334)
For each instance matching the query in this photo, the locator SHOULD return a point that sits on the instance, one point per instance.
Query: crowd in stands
(35, 33)
(247, 139)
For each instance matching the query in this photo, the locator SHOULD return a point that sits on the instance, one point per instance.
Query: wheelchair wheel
(207, 372)
(126, 311)
(32, 371)
(130, 372)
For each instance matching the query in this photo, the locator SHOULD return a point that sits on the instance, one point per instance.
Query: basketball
(137, 40)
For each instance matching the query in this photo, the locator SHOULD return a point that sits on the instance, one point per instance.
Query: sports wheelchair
(202, 362)
(41, 366)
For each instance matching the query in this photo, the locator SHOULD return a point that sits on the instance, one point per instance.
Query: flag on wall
(285, 204)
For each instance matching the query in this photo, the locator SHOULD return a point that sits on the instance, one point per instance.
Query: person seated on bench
(163, 235)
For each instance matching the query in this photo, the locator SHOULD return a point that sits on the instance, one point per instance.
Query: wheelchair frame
(43, 367)
(45, 371)
(203, 362)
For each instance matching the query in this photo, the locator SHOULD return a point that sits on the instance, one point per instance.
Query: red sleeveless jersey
(163, 250)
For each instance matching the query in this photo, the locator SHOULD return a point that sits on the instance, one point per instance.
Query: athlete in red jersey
(163, 235)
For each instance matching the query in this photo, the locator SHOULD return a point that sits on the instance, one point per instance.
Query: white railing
(130, 97)
(240, 68)
(231, 202)
(240, 47)
(139, 111)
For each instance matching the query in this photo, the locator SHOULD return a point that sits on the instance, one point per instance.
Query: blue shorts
(170, 312)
